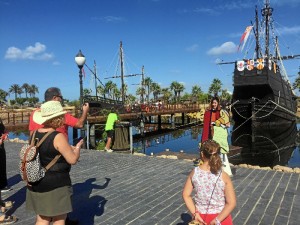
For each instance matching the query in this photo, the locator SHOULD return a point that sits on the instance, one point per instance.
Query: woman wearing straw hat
(50, 198)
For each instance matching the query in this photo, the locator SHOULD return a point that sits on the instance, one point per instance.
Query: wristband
(218, 221)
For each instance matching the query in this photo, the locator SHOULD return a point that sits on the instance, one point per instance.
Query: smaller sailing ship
(108, 103)
(263, 99)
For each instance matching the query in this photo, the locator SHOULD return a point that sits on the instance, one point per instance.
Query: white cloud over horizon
(226, 48)
(36, 52)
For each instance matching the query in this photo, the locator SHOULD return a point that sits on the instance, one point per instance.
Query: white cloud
(192, 48)
(36, 52)
(226, 48)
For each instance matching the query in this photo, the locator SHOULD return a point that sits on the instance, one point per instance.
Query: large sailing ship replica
(263, 103)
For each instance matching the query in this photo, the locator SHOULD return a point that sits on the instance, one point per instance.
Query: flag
(83, 72)
(245, 37)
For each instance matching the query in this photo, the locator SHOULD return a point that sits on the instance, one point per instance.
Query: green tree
(296, 84)
(33, 90)
(147, 82)
(215, 87)
(3, 95)
(101, 91)
(177, 88)
(26, 88)
(87, 91)
(15, 89)
(166, 93)
(141, 91)
(155, 89)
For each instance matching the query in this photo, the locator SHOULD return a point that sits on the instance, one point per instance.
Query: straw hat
(48, 110)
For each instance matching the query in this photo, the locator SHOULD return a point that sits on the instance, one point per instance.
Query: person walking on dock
(112, 119)
(214, 192)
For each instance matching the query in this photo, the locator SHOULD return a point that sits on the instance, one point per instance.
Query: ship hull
(264, 114)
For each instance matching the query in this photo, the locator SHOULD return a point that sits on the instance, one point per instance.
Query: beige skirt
(53, 203)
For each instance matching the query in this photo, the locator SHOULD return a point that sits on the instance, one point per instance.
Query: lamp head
(80, 59)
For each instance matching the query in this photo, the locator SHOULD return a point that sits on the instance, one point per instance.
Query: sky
(175, 40)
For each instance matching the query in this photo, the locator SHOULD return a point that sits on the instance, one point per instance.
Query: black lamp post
(80, 61)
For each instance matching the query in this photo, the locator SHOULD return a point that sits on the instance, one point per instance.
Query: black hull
(264, 113)
(262, 96)
(270, 146)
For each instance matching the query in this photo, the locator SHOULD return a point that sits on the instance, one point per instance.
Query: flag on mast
(245, 37)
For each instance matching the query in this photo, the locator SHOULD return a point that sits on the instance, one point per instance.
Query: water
(181, 139)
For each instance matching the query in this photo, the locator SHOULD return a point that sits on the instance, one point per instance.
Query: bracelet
(218, 221)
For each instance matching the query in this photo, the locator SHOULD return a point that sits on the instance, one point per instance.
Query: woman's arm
(70, 153)
(230, 199)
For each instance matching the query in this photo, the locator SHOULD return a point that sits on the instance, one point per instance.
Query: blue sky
(176, 40)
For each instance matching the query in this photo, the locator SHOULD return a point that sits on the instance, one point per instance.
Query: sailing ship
(108, 103)
(263, 99)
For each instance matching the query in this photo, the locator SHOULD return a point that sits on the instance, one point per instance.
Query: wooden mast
(122, 73)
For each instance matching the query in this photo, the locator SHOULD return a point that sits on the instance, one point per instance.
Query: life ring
(147, 109)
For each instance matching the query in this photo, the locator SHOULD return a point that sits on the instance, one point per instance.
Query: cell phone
(80, 138)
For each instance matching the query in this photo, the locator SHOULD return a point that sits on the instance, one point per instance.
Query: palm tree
(166, 94)
(196, 92)
(141, 92)
(108, 86)
(33, 90)
(215, 87)
(101, 90)
(26, 88)
(147, 83)
(156, 89)
(177, 88)
(86, 91)
(3, 95)
(15, 88)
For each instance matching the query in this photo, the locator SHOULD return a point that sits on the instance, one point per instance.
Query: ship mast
(257, 47)
(267, 13)
(122, 73)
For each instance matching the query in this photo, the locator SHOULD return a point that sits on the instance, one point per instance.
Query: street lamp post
(80, 61)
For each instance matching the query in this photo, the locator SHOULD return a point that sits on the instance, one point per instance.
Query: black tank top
(58, 175)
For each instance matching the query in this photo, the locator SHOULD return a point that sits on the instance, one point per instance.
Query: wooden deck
(118, 188)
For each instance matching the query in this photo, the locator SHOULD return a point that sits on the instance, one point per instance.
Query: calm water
(181, 139)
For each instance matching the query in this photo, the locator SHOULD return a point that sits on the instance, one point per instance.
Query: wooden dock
(118, 188)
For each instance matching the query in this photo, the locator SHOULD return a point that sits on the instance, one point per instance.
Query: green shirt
(112, 118)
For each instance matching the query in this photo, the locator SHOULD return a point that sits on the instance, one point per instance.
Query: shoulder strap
(32, 138)
(44, 138)
(53, 161)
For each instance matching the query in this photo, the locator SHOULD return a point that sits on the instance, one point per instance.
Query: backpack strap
(32, 138)
(44, 138)
(53, 161)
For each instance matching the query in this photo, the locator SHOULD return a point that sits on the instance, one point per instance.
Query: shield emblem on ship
(260, 64)
(240, 65)
(270, 64)
(250, 64)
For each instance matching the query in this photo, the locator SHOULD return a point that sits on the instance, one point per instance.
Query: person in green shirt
(109, 128)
